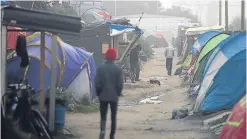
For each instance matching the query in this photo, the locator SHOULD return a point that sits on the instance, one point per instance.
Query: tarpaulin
(235, 127)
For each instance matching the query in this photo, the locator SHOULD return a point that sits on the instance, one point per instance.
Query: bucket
(60, 112)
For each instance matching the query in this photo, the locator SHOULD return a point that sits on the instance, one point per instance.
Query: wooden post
(52, 94)
(220, 12)
(226, 15)
(42, 72)
(242, 15)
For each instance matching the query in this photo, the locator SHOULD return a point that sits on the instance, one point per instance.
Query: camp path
(139, 119)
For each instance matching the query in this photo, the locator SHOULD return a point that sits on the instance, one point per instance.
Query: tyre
(40, 125)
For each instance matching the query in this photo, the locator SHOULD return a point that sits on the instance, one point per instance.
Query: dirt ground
(145, 121)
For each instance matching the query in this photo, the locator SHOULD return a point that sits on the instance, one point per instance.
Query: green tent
(203, 56)
(186, 64)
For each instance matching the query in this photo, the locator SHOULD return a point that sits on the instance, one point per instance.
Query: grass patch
(89, 108)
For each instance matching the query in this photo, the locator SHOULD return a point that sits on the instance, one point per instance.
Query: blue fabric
(74, 60)
(122, 27)
(202, 40)
(229, 84)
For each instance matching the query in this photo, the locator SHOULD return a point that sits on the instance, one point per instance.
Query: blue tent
(224, 80)
(72, 62)
(202, 40)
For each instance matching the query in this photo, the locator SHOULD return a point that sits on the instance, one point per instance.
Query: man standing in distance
(169, 54)
(109, 85)
(135, 61)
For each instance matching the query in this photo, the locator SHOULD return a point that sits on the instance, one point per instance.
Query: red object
(105, 14)
(159, 35)
(235, 127)
(12, 37)
(193, 60)
(111, 54)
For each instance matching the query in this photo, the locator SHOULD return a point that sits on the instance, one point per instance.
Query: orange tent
(235, 127)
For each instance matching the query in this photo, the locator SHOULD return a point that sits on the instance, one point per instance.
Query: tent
(200, 43)
(224, 80)
(204, 55)
(196, 47)
(235, 127)
(75, 66)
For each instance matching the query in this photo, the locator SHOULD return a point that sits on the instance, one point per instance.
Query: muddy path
(142, 118)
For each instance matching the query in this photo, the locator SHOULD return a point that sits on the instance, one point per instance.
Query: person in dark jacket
(109, 85)
(135, 61)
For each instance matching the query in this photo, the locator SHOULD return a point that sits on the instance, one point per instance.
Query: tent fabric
(186, 63)
(71, 61)
(219, 82)
(119, 29)
(235, 127)
(202, 40)
(210, 45)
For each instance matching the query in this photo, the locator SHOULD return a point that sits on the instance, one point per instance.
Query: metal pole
(220, 12)
(3, 64)
(115, 7)
(42, 72)
(226, 15)
(242, 15)
(53, 85)
(3, 59)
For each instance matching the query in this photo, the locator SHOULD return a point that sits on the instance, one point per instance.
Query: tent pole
(52, 94)
(42, 72)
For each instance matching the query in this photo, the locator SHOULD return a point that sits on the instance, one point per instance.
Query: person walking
(109, 85)
(169, 54)
(135, 61)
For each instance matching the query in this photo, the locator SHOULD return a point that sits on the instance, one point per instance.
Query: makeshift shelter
(75, 66)
(235, 127)
(224, 80)
(205, 54)
(100, 36)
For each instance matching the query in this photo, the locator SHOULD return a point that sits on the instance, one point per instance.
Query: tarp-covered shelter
(224, 80)
(97, 37)
(75, 66)
(235, 127)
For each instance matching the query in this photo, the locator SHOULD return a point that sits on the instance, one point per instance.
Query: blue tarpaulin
(119, 29)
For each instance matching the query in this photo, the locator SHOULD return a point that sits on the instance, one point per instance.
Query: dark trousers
(169, 65)
(135, 69)
(103, 115)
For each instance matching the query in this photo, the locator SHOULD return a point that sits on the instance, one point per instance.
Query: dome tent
(224, 75)
(75, 66)
(235, 127)
(205, 54)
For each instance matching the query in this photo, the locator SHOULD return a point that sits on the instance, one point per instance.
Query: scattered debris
(151, 100)
(178, 71)
(180, 113)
